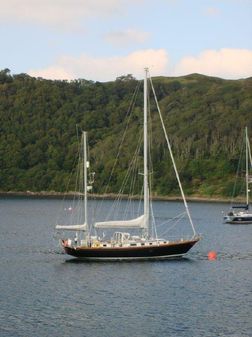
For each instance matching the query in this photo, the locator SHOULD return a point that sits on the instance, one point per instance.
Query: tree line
(204, 116)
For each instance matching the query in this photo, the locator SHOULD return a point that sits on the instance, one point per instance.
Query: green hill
(204, 116)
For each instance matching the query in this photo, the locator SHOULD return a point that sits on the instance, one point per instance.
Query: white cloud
(212, 11)
(56, 72)
(106, 69)
(225, 63)
(63, 14)
(127, 37)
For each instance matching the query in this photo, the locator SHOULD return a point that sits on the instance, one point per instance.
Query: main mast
(146, 187)
(247, 180)
(84, 135)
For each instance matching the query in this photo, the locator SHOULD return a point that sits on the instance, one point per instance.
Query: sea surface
(46, 293)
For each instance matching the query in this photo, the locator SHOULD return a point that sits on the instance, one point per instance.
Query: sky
(101, 40)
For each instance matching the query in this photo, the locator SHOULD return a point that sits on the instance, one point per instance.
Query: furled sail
(82, 227)
(133, 223)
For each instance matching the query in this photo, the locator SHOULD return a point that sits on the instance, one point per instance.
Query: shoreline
(68, 195)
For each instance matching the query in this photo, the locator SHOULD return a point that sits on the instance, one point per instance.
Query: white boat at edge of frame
(240, 214)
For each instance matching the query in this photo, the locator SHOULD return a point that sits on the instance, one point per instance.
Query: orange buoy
(212, 255)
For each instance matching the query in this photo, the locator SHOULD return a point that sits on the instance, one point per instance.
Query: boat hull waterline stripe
(161, 257)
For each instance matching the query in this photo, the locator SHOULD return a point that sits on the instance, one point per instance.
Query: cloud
(106, 69)
(212, 11)
(224, 63)
(63, 14)
(127, 37)
(56, 72)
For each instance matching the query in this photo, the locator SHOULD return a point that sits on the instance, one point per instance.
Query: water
(45, 293)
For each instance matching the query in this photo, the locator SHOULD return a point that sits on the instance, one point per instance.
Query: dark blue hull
(169, 250)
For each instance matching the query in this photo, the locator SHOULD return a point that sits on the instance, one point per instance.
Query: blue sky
(102, 39)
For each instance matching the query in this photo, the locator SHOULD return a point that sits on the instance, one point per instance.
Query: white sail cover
(134, 223)
(82, 227)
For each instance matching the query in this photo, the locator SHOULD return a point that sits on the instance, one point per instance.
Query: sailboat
(122, 244)
(240, 214)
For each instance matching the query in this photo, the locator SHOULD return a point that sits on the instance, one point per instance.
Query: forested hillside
(205, 118)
